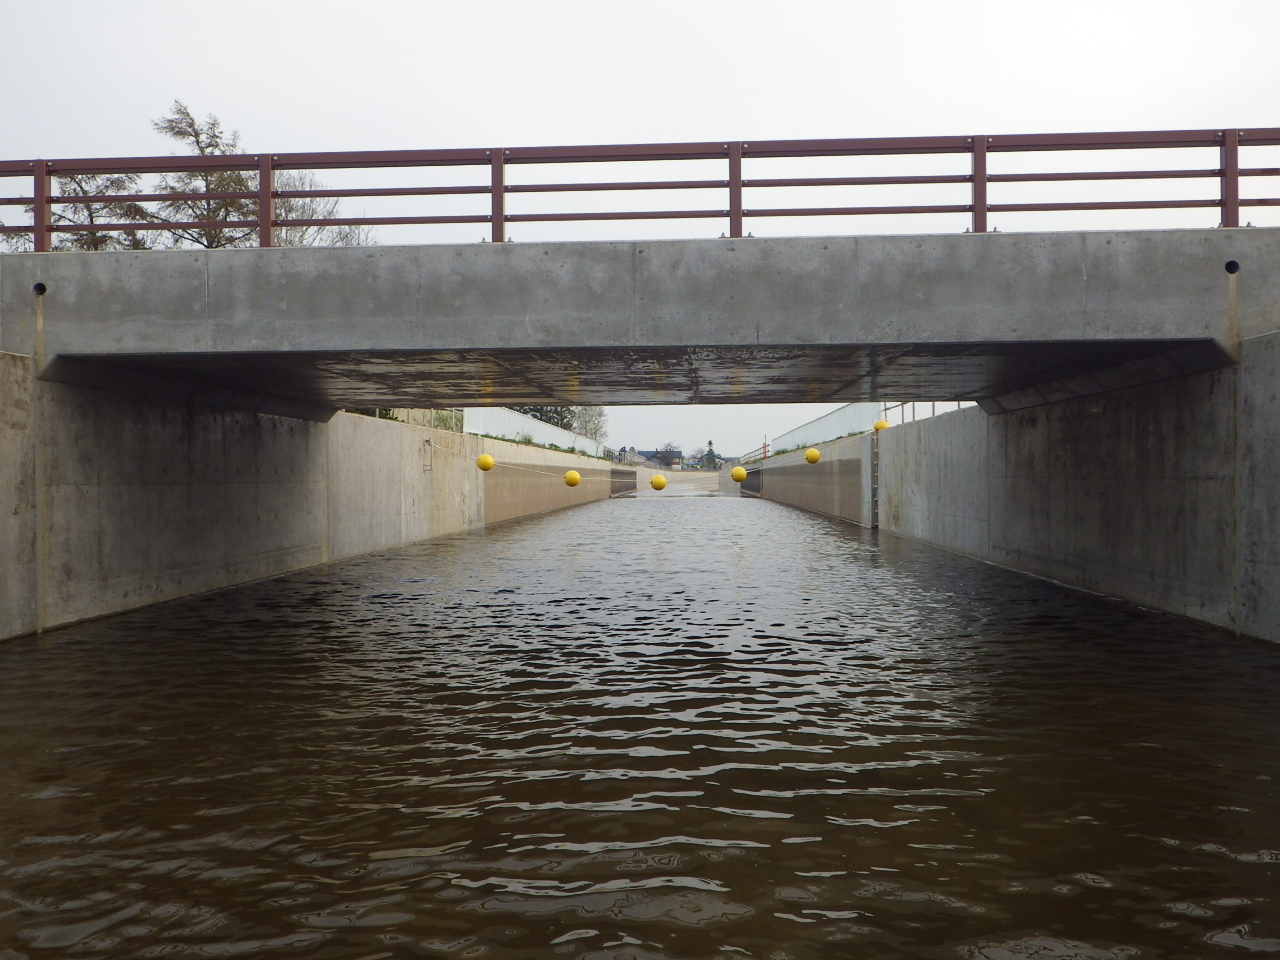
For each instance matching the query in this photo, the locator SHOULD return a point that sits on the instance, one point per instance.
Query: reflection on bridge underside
(660, 375)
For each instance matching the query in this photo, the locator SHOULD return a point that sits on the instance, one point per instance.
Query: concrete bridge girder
(1010, 320)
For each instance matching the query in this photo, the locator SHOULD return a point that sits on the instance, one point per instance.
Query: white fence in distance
(508, 425)
(855, 418)
(851, 418)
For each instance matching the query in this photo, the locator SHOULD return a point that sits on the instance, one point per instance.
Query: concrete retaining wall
(530, 480)
(1132, 494)
(109, 502)
(841, 484)
(1166, 494)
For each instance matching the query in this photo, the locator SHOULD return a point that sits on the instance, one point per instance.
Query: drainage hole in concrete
(1232, 266)
(39, 289)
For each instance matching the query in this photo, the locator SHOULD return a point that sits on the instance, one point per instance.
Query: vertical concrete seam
(41, 504)
(327, 477)
(986, 505)
(41, 473)
(208, 318)
(1233, 316)
(634, 299)
(1237, 525)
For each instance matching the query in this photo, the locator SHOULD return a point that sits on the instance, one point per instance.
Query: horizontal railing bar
(153, 225)
(1260, 202)
(618, 153)
(633, 215)
(170, 164)
(380, 221)
(863, 147)
(16, 201)
(1103, 175)
(70, 199)
(279, 194)
(1104, 205)
(383, 192)
(621, 185)
(857, 211)
(1142, 140)
(859, 181)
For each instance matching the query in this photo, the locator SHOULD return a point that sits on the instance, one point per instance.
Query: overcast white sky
(83, 78)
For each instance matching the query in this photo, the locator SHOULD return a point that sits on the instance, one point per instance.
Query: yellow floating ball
(484, 462)
(573, 478)
(739, 474)
(658, 482)
(882, 425)
(813, 454)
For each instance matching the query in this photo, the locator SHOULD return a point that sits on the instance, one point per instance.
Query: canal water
(647, 729)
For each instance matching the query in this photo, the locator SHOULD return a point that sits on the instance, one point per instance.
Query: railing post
(1231, 178)
(42, 213)
(497, 191)
(266, 202)
(735, 189)
(979, 185)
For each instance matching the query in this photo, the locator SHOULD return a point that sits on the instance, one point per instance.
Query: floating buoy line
(572, 478)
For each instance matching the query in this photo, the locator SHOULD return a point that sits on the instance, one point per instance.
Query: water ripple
(685, 729)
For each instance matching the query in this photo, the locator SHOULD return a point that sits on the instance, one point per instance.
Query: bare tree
(91, 214)
(312, 208)
(591, 422)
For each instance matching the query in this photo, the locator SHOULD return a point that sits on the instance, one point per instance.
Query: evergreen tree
(207, 138)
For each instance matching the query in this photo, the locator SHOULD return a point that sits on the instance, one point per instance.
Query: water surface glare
(646, 729)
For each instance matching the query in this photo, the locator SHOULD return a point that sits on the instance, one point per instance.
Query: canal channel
(661, 728)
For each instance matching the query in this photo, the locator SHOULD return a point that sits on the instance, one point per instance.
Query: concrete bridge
(169, 418)
(1008, 320)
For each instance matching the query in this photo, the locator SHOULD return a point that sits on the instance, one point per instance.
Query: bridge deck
(1006, 319)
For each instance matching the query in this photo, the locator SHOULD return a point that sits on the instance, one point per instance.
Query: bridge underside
(1000, 376)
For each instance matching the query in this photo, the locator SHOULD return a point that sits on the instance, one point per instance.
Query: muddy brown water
(667, 727)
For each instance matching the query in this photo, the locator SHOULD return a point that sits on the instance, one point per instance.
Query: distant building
(667, 458)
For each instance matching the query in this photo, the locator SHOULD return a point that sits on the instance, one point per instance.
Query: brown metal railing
(978, 148)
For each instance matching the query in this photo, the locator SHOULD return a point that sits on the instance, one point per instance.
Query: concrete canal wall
(109, 502)
(1166, 494)
(841, 484)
